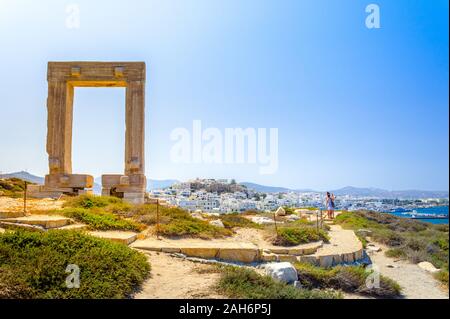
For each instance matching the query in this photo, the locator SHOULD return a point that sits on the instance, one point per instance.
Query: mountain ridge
(344, 191)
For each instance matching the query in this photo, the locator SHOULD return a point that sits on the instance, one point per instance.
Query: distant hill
(273, 189)
(382, 193)
(25, 176)
(151, 184)
(264, 188)
(160, 184)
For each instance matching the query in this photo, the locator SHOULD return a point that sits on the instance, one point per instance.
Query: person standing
(329, 202)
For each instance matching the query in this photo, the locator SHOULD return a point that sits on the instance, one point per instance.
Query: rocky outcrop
(283, 271)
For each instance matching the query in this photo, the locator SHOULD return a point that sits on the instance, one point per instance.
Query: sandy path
(416, 282)
(342, 241)
(9, 204)
(175, 278)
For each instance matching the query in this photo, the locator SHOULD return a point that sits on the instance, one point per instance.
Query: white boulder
(283, 271)
(373, 248)
(427, 266)
(280, 211)
(261, 220)
(217, 223)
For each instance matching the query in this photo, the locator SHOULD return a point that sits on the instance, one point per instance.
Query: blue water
(437, 210)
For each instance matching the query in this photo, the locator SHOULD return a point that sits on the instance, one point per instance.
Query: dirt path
(415, 282)
(9, 204)
(176, 278)
(341, 241)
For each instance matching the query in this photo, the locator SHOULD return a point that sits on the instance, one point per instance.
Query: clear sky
(353, 106)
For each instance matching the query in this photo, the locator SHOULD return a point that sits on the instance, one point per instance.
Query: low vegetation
(347, 278)
(237, 220)
(406, 238)
(246, 283)
(299, 232)
(103, 212)
(173, 221)
(292, 236)
(101, 220)
(12, 187)
(33, 265)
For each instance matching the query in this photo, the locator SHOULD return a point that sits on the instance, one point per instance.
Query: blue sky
(353, 106)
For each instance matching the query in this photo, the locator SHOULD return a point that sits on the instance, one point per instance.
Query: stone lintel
(82, 71)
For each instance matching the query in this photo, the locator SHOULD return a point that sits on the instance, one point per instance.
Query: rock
(217, 223)
(292, 218)
(364, 232)
(261, 220)
(326, 261)
(244, 255)
(298, 284)
(280, 211)
(427, 266)
(391, 266)
(373, 248)
(283, 271)
(208, 253)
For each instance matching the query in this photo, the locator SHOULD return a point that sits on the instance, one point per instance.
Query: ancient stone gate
(62, 78)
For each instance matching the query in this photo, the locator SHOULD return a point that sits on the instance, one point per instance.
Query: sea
(422, 214)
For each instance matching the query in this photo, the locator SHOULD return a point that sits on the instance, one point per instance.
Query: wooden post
(275, 223)
(25, 197)
(321, 218)
(317, 218)
(157, 218)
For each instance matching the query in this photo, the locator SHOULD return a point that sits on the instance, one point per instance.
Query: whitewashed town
(226, 196)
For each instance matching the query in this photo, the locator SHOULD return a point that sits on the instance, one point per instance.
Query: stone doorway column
(62, 77)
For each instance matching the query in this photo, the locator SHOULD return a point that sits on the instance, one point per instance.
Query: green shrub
(175, 222)
(395, 253)
(90, 201)
(193, 228)
(101, 220)
(33, 265)
(236, 220)
(442, 276)
(245, 283)
(291, 236)
(415, 240)
(346, 278)
(12, 187)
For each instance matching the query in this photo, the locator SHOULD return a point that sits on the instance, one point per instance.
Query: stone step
(44, 221)
(73, 227)
(305, 249)
(19, 226)
(124, 237)
(8, 214)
